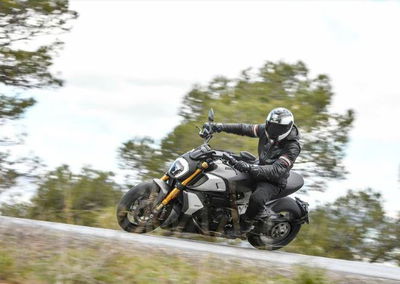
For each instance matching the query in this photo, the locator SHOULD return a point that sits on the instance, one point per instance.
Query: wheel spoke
(277, 233)
(138, 211)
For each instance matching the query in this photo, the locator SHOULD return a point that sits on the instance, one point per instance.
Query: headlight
(179, 168)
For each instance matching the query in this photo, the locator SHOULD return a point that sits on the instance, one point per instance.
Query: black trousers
(264, 192)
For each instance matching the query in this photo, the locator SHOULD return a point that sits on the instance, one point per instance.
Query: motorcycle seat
(294, 183)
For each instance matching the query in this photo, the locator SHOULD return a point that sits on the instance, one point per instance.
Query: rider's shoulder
(260, 128)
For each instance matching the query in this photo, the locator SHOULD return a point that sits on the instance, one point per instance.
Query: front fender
(164, 189)
(176, 209)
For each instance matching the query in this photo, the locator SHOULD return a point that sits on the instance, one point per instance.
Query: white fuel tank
(213, 180)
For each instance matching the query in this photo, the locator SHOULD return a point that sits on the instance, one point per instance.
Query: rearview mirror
(211, 115)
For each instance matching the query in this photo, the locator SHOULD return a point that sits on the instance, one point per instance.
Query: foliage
(353, 227)
(63, 196)
(22, 21)
(7, 267)
(24, 24)
(248, 99)
(142, 151)
(387, 242)
(105, 218)
(20, 210)
(307, 275)
(8, 174)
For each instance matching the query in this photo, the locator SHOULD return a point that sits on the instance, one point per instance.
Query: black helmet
(279, 123)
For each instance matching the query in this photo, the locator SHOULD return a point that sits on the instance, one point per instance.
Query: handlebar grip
(229, 158)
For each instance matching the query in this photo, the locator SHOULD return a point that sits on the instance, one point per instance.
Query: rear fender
(304, 210)
(286, 204)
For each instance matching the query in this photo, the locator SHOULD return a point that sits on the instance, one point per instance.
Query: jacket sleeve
(280, 168)
(244, 129)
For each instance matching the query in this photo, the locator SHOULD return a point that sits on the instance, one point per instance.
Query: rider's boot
(246, 224)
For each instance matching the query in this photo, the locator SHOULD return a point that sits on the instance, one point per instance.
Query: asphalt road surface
(363, 269)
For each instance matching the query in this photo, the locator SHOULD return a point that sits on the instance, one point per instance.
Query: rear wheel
(134, 212)
(277, 235)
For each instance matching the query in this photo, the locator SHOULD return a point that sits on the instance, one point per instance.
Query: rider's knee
(257, 200)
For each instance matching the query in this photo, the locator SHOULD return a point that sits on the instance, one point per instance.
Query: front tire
(134, 209)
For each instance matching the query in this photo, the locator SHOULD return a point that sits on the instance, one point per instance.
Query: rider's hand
(213, 127)
(242, 166)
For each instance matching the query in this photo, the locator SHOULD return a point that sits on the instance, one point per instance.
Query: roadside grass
(30, 259)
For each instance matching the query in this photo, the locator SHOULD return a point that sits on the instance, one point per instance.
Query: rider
(278, 148)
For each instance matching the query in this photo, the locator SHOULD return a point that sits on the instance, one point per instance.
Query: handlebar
(206, 134)
(231, 160)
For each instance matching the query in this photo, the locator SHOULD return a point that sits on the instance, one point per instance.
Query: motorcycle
(203, 193)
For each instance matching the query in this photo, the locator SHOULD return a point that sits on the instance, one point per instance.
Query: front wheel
(134, 209)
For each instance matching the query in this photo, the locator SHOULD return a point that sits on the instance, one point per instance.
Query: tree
(138, 152)
(23, 24)
(353, 227)
(395, 240)
(248, 99)
(92, 192)
(386, 244)
(52, 200)
(63, 196)
(25, 21)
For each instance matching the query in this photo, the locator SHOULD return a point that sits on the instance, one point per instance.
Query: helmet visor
(274, 130)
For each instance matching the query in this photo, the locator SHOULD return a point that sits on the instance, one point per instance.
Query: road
(195, 247)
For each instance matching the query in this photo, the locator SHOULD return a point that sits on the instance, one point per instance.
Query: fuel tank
(222, 178)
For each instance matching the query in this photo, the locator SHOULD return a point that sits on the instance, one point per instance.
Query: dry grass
(59, 259)
(31, 255)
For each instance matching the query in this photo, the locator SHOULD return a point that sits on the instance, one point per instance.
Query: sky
(128, 64)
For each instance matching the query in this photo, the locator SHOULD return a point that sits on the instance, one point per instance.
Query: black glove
(242, 166)
(213, 127)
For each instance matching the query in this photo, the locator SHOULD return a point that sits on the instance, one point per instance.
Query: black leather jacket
(275, 159)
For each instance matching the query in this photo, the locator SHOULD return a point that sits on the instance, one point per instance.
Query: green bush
(7, 266)
(307, 275)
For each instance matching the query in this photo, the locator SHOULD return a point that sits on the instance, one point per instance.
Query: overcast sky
(127, 65)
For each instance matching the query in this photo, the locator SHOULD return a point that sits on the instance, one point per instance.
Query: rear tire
(280, 233)
(133, 209)
(268, 243)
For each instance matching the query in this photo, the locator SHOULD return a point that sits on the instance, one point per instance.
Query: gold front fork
(174, 193)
